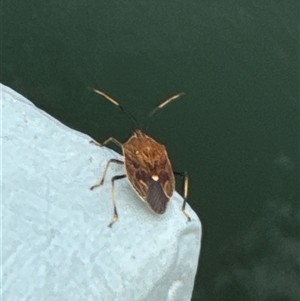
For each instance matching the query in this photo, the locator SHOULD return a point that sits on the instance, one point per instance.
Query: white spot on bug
(155, 178)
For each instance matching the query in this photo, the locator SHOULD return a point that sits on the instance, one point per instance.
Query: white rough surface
(56, 245)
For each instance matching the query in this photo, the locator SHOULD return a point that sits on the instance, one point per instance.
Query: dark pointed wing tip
(156, 198)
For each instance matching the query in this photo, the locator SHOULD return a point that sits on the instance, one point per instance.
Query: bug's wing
(156, 197)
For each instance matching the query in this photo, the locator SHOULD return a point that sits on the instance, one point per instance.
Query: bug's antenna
(131, 117)
(163, 104)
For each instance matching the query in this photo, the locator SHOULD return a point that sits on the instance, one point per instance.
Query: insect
(147, 166)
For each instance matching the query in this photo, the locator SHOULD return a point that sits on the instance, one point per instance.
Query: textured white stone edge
(55, 241)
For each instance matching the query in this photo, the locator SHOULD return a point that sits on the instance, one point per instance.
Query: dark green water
(236, 131)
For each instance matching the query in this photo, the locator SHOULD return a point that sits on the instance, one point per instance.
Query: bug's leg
(115, 217)
(105, 170)
(185, 188)
(110, 139)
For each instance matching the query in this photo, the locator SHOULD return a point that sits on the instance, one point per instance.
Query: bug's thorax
(149, 169)
(144, 151)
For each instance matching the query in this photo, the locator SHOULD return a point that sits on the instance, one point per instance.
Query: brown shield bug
(147, 166)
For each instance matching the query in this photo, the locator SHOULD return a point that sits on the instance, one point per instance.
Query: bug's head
(131, 117)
